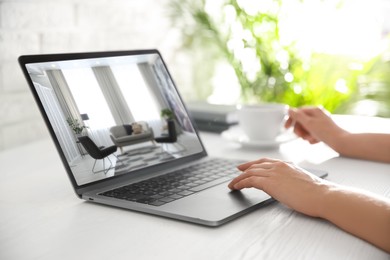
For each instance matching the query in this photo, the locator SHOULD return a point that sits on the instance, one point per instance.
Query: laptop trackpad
(217, 205)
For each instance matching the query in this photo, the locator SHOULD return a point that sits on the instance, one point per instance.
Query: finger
(244, 166)
(239, 178)
(252, 172)
(305, 135)
(309, 109)
(315, 111)
(289, 123)
(263, 166)
(301, 116)
(301, 131)
(312, 140)
(250, 182)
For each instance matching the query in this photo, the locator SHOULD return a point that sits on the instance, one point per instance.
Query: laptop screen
(113, 115)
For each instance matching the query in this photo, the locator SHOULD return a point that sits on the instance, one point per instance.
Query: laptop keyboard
(175, 185)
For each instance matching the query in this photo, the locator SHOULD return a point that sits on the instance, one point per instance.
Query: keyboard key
(166, 199)
(175, 196)
(184, 187)
(209, 184)
(157, 203)
(185, 193)
(157, 196)
(175, 190)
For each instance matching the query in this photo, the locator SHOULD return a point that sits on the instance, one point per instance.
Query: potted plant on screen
(76, 126)
(167, 114)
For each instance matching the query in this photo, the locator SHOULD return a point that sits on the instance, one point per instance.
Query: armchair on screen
(98, 153)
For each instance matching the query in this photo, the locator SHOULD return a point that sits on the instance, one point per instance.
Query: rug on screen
(140, 157)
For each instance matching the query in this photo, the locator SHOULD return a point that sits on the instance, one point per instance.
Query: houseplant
(167, 114)
(75, 125)
(267, 66)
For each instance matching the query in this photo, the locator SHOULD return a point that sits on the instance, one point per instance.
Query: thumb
(299, 116)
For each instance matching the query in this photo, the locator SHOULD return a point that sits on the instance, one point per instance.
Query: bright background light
(353, 28)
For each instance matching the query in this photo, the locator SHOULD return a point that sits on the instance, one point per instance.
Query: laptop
(126, 139)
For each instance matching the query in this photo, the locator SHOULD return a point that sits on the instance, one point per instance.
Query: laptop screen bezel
(80, 189)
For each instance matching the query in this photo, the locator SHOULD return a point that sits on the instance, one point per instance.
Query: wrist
(337, 139)
(327, 192)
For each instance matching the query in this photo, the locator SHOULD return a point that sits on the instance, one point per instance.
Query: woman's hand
(361, 213)
(313, 124)
(285, 182)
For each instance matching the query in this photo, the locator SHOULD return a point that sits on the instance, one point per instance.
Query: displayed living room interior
(115, 115)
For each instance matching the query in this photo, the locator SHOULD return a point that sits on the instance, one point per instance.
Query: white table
(41, 218)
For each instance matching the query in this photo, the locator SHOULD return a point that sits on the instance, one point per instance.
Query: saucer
(235, 134)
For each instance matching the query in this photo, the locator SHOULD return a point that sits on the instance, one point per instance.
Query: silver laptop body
(115, 100)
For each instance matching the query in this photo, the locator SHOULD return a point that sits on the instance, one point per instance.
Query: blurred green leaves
(270, 68)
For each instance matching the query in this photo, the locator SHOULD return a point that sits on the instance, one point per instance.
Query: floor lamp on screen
(85, 118)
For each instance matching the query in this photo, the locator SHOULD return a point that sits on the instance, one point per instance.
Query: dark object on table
(213, 118)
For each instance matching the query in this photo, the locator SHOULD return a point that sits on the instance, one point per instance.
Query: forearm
(362, 214)
(369, 146)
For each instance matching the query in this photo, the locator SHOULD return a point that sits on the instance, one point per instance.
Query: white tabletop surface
(41, 218)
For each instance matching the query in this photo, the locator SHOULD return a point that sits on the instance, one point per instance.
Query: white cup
(262, 122)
